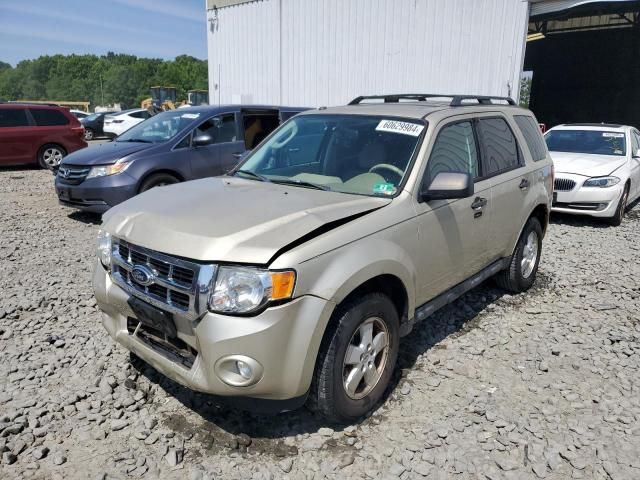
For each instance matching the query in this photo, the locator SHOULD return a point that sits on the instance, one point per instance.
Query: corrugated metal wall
(325, 52)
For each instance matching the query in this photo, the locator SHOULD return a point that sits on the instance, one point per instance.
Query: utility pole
(101, 91)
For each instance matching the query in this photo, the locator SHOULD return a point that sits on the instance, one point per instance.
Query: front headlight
(106, 170)
(245, 290)
(602, 182)
(104, 248)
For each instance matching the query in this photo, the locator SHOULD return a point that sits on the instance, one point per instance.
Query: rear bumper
(97, 195)
(592, 201)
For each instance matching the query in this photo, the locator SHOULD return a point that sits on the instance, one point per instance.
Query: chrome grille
(73, 174)
(176, 285)
(563, 185)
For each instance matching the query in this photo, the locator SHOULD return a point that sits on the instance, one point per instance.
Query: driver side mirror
(202, 140)
(447, 186)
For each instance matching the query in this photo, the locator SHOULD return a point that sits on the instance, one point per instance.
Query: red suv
(38, 133)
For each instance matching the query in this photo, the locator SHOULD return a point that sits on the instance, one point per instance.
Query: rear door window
(48, 118)
(500, 151)
(454, 151)
(532, 136)
(13, 117)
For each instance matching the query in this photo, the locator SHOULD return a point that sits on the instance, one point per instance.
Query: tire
(88, 134)
(523, 266)
(50, 156)
(617, 218)
(158, 180)
(328, 395)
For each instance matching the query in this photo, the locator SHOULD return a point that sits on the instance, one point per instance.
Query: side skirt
(451, 295)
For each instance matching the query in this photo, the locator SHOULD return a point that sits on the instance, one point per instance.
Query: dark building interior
(586, 64)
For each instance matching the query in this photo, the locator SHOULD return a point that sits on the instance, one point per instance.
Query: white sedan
(117, 123)
(597, 169)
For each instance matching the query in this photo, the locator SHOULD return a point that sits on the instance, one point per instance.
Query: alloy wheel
(366, 358)
(52, 156)
(529, 255)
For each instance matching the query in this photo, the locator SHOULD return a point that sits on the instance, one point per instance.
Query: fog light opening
(239, 370)
(244, 370)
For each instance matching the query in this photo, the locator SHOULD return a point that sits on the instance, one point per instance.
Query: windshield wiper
(300, 183)
(255, 175)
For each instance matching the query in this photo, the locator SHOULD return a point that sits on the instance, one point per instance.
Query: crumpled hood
(104, 154)
(586, 164)
(229, 219)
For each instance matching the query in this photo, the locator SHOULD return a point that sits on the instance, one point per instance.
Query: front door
(222, 154)
(452, 233)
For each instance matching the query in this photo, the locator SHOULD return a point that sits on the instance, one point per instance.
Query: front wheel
(356, 359)
(158, 180)
(88, 134)
(617, 218)
(523, 266)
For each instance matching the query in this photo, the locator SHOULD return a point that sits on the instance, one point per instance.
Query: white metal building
(326, 52)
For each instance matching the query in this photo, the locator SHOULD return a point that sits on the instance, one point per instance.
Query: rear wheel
(356, 359)
(50, 156)
(158, 180)
(617, 218)
(88, 134)
(525, 259)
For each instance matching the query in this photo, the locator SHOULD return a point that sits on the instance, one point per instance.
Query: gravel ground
(539, 385)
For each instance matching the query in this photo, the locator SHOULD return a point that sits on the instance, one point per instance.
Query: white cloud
(177, 9)
(79, 20)
(112, 43)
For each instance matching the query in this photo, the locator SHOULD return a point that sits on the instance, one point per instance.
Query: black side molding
(451, 295)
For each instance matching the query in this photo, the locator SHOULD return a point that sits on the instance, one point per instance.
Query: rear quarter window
(48, 118)
(532, 136)
(13, 117)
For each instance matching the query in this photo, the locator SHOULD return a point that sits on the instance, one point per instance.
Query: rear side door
(223, 153)
(17, 137)
(453, 233)
(503, 164)
(53, 126)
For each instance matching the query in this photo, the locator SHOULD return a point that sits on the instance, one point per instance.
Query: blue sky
(146, 28)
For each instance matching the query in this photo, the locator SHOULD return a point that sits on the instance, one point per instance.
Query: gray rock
(118, 424)
(40, 452)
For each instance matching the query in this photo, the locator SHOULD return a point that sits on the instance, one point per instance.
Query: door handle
(524, 184)
(237, 155)
(479, 203)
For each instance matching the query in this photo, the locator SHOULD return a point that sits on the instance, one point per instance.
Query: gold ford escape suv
(293, 278)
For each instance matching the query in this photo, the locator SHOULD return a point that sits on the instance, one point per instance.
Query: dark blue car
(170, 147)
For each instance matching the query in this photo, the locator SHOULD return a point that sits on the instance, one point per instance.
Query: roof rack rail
(456, 100)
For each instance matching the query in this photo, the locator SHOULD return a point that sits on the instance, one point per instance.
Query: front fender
(334, 275)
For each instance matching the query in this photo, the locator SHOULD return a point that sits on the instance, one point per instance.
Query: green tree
(110, 78)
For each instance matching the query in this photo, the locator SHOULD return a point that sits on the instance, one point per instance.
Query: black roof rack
(17, 102)
(456, 100)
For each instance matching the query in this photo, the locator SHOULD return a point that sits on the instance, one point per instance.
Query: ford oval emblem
(142, 275)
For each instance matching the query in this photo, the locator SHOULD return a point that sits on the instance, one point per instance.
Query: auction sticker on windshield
(405, 128)
(612, 135)
(190, 115)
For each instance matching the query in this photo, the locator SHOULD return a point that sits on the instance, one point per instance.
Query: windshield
(358, 154)
(159, 128)
(593, 142)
